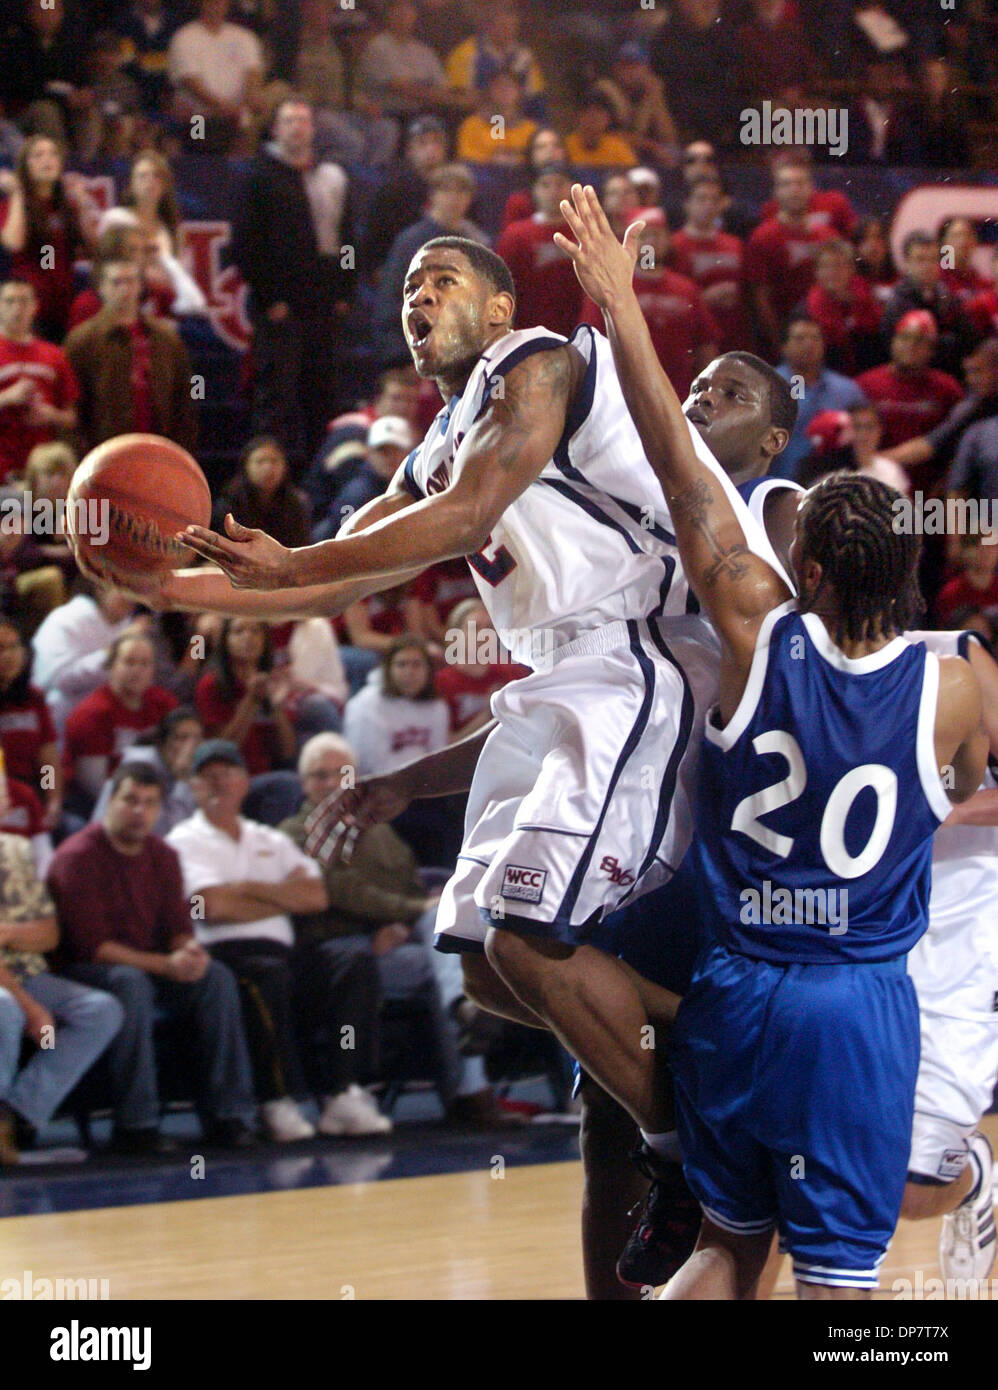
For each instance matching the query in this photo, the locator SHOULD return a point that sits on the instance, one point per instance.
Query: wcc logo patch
(522, 884)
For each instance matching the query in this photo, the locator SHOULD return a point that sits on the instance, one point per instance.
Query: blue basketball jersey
(817, 803)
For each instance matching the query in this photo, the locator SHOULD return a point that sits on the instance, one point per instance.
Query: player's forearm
(293, 895)
(208, 590)
(436, 529)
(444, 773)
(651, 399)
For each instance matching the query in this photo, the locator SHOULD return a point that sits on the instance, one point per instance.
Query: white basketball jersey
(590, 541)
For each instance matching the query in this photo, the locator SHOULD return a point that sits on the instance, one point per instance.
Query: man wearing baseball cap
(911, 397)
(389, 439)
(245, 881)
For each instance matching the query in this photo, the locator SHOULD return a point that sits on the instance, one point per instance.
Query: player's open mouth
(696, 417)
(420, 327)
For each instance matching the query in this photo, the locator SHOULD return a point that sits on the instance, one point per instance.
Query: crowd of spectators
(159, 768)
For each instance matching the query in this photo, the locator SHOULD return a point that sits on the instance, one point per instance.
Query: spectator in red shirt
(431, 597)
(621, 201)
(126, 243)
(126, 922)
(474, 669)
(774, 50)
(38, 388)
(547, 293)
(111, 719)
(841, 301)
(714, 260)
(41, 228)
(976, 585)
(982, 309)
(546, 147)
(682, 328)
(779, 258)
(957, 245)
(911, 397)
(241, 698)
(21, 814)
(27, 734)
(873, 258)
(826, 207)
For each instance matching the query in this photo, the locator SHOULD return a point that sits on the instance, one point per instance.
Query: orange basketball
(127, 500)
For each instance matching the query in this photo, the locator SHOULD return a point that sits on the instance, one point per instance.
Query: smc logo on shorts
(610, 865)
(953, 1163)
(525, 885)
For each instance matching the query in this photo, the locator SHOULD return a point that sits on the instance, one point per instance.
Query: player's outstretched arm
(332, 827)
(500, 456)
(735, 587)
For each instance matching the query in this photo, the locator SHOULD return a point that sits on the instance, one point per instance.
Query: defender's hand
(604, 266)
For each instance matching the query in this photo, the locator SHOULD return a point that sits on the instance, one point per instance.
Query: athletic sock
(665, 1145)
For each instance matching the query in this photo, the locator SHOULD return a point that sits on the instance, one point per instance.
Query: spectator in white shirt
(216, 70)
(397, 716)
(245, 880)
(71, 646)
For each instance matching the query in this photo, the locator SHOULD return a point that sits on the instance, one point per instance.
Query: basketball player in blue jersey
(833, 754)
(581, 798)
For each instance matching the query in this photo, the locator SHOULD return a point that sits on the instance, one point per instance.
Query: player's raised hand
(604, 266)
(250, 558)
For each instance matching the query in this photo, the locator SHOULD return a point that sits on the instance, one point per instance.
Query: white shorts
(583, 795)
(954, 973)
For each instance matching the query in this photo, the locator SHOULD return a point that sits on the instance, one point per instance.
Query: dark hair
(782, 405)
(167, 209)
(221, 662)
(145, 774)
(156, 738)
(914, 239)
(403, 644)
(847, 525)
(799, 316)
(61, 202)
(485, 263)
(17, 692)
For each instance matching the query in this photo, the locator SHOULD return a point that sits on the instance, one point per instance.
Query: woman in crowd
(46, 226)
(241, 698)
(27, 733)
(170, 748)
(873, 257)
(262, 495)
(958, 242)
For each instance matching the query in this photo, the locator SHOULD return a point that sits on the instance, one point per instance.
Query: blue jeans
(207, 1020)
(86, 1021)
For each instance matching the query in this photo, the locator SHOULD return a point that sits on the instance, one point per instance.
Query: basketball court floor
(424, 1214)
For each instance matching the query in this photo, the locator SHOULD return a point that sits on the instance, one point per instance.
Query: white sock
(665, 1145)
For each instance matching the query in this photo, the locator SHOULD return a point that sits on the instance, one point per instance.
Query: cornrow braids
(847, 525)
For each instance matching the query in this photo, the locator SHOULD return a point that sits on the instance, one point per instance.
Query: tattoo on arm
(535, 391)
(693, 504)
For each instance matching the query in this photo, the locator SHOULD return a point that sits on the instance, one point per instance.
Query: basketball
(128, 499)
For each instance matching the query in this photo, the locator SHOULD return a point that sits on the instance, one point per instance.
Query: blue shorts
(660, 935)
(795, 1090)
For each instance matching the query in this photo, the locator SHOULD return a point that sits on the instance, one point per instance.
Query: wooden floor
(456, 1236)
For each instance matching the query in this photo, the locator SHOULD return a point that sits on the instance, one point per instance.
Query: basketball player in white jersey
(955, 971)
(581, 799)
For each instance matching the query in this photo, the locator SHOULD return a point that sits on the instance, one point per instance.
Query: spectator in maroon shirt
(982, 309)
(774, 50)
(826, 207)
(42, 228)
(27, 734)
(242, 699)
(841, 301)
(714, 260)
(547, 293)
(911, 397)
(780, 254)
(683, 330)
(126, 924)
(110, 720)
(38, 387)
(957, 245)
